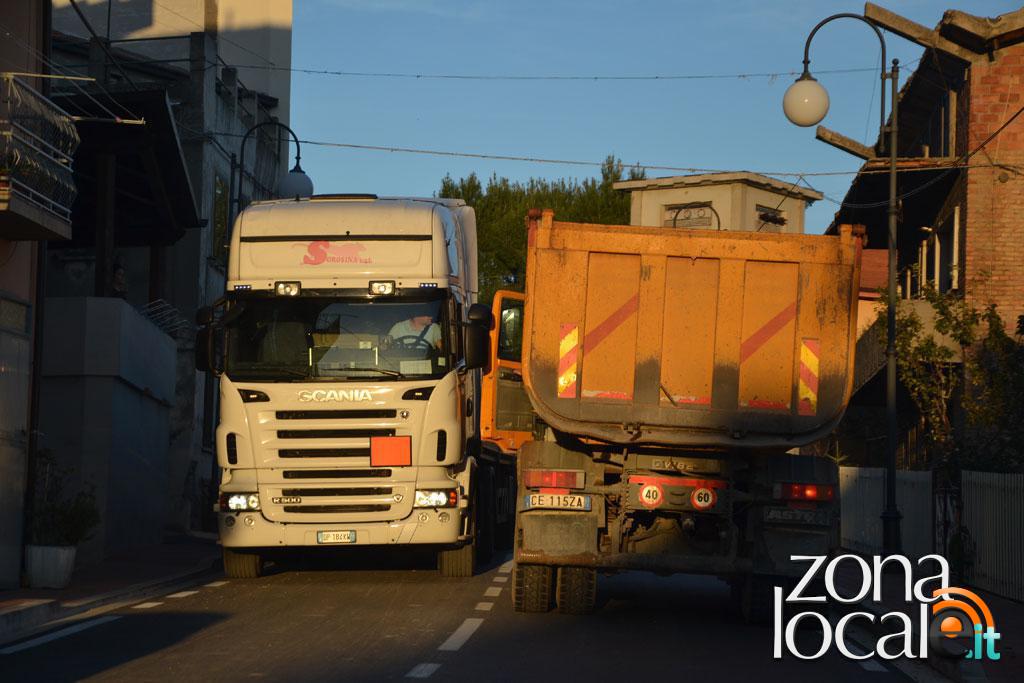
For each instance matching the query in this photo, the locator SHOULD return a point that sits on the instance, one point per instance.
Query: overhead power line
(542, 77)
(576, 162)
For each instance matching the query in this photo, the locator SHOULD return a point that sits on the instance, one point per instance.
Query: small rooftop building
(719, 201)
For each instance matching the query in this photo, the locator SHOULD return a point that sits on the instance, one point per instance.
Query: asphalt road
(360, 618)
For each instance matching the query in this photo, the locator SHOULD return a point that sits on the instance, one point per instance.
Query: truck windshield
(304, 338)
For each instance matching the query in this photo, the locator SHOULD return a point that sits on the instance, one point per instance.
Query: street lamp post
(295, 184)
(805, 104)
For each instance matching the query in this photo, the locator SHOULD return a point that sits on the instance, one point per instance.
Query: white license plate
(335, 537)
(556, 501)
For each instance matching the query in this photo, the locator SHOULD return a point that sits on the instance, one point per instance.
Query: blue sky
(732, 123)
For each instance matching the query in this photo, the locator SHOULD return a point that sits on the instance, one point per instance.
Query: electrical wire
(540, 77)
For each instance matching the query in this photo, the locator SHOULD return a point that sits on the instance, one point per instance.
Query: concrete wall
(108, 384)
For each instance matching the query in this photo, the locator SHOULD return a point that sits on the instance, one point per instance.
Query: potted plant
(60, 521)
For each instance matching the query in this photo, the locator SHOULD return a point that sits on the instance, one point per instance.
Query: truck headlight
(239, 502)
(443, 498)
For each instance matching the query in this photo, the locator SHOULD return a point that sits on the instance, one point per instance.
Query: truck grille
(327, 509)
(324, 453)
(335, 474)
(332, 433)
(355, 491)
(336, 414)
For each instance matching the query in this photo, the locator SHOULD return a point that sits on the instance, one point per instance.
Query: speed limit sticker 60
(702, 498)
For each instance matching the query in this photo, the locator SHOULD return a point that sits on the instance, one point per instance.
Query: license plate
(791, 516)
(335, 537)
(556, 501)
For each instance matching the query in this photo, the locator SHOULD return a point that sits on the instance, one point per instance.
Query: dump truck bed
(689, 338)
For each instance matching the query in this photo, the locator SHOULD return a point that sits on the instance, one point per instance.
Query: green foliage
(501, 209)
(970, 396)
(59, 518)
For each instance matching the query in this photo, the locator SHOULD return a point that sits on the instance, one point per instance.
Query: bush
(59, 518)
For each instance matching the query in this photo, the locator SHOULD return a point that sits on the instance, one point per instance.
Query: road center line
(492, 592)
(457, 639)
(500, 579)
(182, 594)
(505, 568)
(866, 664)
(216, 584)
(56, 634)
(147, 605)
(484, 606)
(423, 670)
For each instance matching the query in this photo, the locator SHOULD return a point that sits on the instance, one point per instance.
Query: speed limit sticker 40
(651, 495)
(702, 498)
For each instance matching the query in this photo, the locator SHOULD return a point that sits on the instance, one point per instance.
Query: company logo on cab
(322, 251)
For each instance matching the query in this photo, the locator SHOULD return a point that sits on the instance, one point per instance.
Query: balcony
(37, 142)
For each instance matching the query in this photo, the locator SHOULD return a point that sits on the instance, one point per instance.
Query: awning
(154, 199)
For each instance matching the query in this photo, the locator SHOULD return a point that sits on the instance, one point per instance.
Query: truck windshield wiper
(383, 371)
(274, 369)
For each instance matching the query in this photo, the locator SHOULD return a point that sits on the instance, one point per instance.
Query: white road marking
(461, 635)
(484, 606)
(216, 584)
(492, 592)
(56, 634)
(505, 568)
(423, 670)
(147, 605)
(182, 594)
(500, 579)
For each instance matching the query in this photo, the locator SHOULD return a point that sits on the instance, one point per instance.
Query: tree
(501, 211)
(971, 399)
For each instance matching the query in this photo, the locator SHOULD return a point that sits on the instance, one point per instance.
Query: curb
(26, 620)
(959, 671)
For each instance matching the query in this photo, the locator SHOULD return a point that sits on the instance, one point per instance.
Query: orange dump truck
(672, 372)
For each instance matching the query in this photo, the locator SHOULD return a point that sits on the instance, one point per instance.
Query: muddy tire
(242, 565)
(576, 590)
(531, 587)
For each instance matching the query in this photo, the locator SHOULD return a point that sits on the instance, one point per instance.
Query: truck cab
(349, 347)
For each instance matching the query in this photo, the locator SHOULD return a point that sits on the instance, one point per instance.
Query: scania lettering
(349, 347)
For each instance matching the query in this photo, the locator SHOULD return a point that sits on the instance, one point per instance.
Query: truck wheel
(576, 590)
(457, 563)
(241, 565)
(531, 587)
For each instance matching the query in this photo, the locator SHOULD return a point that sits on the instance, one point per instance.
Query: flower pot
(49, 566)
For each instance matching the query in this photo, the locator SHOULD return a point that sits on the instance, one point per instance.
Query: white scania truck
(349, 346)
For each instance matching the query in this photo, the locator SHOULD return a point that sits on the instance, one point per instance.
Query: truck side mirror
(478, 336)
(209, 349)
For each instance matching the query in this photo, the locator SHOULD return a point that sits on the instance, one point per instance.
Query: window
(769, 219)
(694, 215)
(510, 330)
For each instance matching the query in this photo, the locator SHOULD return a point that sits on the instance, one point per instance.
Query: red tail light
(554, 479)
(797, 491)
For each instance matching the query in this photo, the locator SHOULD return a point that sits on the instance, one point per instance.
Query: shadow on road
(112, 645)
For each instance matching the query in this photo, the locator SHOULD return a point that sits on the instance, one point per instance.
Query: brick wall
(994, 235)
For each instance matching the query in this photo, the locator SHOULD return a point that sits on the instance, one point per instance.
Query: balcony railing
(37, 142)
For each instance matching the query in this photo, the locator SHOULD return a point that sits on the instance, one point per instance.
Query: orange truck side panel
(690, 337)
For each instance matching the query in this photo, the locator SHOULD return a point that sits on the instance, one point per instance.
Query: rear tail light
(554, 479)
(798, 491)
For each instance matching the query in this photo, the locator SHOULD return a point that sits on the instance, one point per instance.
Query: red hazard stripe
(601, 332)
(767, 331)
(568, 361)
(809, 378)
(767, 405)
(814, 345)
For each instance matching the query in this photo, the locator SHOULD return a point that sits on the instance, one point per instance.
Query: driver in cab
(420, 329)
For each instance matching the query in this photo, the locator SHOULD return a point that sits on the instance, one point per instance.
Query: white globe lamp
(806, 101)
(295, 184)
